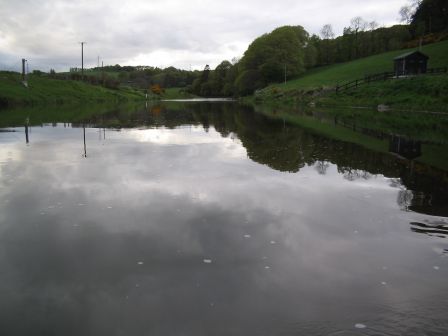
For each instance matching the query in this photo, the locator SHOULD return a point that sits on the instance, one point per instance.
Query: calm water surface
(210, 219)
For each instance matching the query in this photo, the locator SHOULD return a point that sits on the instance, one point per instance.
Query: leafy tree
(272, 71)
(310, 59)
(327, 35)
(357, 25)
(249, 81)
(270, 53)
(432, 15)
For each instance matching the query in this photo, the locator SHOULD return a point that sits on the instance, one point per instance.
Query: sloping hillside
(47, 90)
(340, 73)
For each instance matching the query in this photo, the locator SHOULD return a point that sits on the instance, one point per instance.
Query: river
(208, 218)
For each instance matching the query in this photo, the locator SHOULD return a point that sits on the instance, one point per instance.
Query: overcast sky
(181, 33)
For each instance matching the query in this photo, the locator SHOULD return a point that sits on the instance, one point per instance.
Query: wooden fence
(382, 77)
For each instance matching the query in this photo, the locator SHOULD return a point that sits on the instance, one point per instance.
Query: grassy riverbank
(176, 93)
(44, 90)
(371, 130)
(330, 76)
(422, 93)
(417, 93)
(68, 113)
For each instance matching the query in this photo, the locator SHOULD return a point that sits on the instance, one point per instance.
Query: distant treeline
(286, 53)
(290, 51)
(141, 77)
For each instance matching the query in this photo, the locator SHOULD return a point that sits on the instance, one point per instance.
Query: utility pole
(23, 69)
(82, 59)
(24, 72)
(98, 62)
(102, 71)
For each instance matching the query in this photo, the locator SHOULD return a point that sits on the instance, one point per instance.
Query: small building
(412, 63)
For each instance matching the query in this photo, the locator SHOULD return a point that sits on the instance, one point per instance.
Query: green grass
(46, 90)
(330, 76)
(95, 72)
(68, 113)
(325, 127)
(176, 93)
(433, 155)
(422, 93)
(428, 93)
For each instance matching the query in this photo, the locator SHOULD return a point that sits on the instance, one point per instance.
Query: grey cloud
(47, 32)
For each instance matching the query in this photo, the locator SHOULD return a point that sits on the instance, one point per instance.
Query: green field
(421, 93)
(176, 93)
(39, 114)
(352, 125)
(43, 89)
(99, 73)
(332, 75)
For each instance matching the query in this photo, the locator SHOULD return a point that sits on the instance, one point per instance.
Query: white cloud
(156, 32)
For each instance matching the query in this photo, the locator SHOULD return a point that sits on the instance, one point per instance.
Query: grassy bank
(430, 128)
(422, 93)
(332, 75)
(176, 93)
(52, 91)
(68, 113)
(417, 93)
(369, 131)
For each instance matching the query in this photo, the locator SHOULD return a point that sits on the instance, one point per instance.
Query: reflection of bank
(406, 148)
(27, 126)
(289, 148)
(431, 228)
(85, 146)
(424, 194)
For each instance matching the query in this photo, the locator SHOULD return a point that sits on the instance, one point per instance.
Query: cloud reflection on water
(74, 231)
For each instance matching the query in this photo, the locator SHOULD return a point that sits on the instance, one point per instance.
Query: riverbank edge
(39, 90)
(434, 155)
(414, 94)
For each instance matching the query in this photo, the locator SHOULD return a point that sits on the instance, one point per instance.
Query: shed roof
(411, 53)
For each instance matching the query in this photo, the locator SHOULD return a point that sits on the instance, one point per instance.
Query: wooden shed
(412, 63)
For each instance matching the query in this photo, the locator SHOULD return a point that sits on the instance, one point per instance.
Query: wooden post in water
(85, 147)
(27, 122)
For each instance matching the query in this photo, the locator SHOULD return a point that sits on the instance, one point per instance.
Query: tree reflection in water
(289, 148)
(431, 228)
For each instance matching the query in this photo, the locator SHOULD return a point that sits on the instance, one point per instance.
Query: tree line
(141, 77)
(286, 53)
(289, 51)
